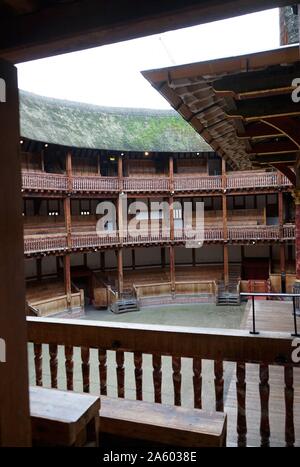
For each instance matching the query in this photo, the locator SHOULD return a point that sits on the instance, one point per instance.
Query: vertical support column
(120, 271)
(99, 164)
(102, 260)
(171, 174)
(67, 277)
(67, 200)
(296, 194)
(282, 245)
(172, 268)
(15, 427)
(120, 172)
(39, 269)
(163, 257)
(133, 258)
(225, 231)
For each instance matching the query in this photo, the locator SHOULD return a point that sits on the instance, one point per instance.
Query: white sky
(110, 75)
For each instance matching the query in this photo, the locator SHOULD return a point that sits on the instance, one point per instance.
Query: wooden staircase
(127, 303)
(230, 294)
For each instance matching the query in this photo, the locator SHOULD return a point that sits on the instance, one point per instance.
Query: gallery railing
(42, 181)
(97, 351)
(88, 240)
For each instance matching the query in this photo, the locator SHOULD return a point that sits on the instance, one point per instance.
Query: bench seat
(164, 424)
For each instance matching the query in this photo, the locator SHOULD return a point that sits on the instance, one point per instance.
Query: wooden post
(225, 232)
(67, 276)
(194, 257)
(69, 170)
(282, 246)
(133, 258)
(15, 427)
(99, 164)
(120, 271)
(102, 260)
(68, 220)
(171, 214)
(120, 172)
(39, 269)
(172, 268)
(163, 257)
(171, 174)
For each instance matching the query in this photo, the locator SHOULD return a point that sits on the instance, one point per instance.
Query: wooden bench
(63, 418)
(162, 424)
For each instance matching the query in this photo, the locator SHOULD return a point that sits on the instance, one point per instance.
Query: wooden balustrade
(256, 233)
(84, 240)
(157, 184)
(42, 181)
(200, 183)
(95, 184)
(33, 244)
(90, 240)
(178, 342)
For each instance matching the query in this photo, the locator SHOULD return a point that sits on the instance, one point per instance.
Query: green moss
(88, 126)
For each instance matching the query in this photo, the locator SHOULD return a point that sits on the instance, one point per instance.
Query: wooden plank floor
(271, 316)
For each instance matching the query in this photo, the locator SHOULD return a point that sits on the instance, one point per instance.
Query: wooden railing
(48, 242)
(146, 184)
(33, 244)
(42, 181)
(95, 184)
(255, 233)
(95, 339)
(207, 183)
(252, 180)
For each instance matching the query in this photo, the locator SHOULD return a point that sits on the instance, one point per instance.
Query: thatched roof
(80, 125)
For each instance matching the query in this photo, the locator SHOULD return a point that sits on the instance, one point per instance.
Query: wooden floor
(271, 316)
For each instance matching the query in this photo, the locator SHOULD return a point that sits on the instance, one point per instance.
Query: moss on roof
(121, 129)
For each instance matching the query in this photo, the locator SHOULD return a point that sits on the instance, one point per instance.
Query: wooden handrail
(182, 341)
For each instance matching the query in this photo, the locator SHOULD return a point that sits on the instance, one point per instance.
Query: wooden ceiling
(31, 29)
(241, 106)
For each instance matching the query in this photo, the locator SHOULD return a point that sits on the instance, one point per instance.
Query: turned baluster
(241, 402)
(69, 366)
(289, 406)
(85, 368)
(38, 364)
(176, 365)
(138, 373)
(197, 382)
(120, 373)
(102, 357)
(264, 391)
(219, 385)
(53, 364)
(157, 377)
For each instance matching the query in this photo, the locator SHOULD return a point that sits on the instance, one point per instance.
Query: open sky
(110, 75)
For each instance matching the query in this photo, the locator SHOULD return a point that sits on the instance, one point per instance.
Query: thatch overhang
(91, 127)
(242, 106)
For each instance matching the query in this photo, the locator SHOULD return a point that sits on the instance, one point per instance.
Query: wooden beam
(287, 171)
(265, 107)
(274, 147)
(275, 159)
(259, 129)
(277, 77)
(91, 23)
(15, 427)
